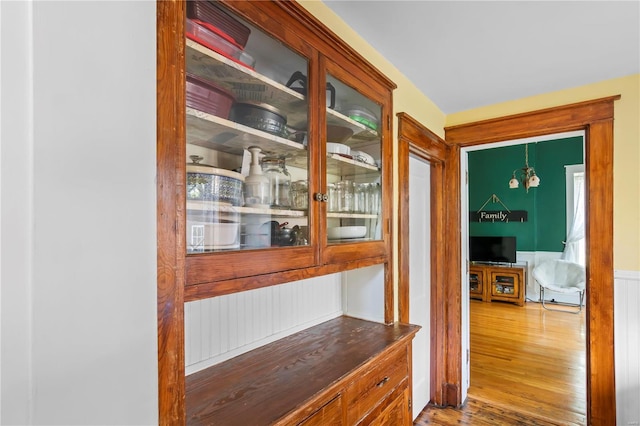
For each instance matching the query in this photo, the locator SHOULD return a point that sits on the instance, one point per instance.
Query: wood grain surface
(527, 368)
(274, 382)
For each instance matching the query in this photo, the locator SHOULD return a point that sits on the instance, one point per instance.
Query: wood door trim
(596, 119)
(416, 139)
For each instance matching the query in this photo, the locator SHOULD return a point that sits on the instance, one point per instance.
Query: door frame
(595, 118)
(413, 138)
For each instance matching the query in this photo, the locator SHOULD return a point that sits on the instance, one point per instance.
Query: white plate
(346, 232)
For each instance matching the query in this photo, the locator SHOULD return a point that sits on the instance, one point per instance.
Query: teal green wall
(489, 173)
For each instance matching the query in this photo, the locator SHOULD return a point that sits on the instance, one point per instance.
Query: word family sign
(498, 216)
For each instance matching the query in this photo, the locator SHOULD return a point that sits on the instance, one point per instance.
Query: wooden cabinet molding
(289, 22)
(595, 117)
(171, 248)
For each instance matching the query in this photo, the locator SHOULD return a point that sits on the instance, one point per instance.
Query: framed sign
(498, 216)
(505, 215)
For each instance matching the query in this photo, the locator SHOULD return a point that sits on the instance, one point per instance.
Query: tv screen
(492, 249)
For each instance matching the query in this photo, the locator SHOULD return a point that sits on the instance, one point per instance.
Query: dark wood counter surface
(271, 383)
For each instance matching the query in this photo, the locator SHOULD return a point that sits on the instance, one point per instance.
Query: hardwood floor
(528, 367)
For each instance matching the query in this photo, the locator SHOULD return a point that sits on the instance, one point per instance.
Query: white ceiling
(467, 54)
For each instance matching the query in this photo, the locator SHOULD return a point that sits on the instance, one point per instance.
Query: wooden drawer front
(374, 384)
(396, 412)
(329, 415)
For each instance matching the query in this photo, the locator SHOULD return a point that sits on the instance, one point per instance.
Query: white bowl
(346, 232)
(338, 148)
(212, 236)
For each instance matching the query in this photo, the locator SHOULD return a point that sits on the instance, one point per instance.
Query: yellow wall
(407, 98)
(626, 156)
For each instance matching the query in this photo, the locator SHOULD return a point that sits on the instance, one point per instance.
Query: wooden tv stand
(489, 282)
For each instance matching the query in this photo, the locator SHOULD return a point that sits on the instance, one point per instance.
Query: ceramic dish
(346, 232)
(338, 148)
(363, 157)
(207, 183)
(212, 236)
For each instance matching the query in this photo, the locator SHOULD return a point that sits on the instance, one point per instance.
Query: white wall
(78, 243)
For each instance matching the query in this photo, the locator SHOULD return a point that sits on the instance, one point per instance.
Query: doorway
(419, 278)
(448, 354)
(595, 117)
(526, 380)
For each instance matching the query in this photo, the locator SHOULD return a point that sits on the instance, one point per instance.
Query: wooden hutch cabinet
(274, 165)
(500, 283)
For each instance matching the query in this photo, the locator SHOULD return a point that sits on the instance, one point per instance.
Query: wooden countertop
(266, 384)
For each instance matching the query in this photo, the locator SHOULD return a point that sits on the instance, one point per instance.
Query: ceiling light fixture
(527, 174)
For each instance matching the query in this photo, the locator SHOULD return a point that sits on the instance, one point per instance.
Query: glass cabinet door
(246, 131)
(353, 165)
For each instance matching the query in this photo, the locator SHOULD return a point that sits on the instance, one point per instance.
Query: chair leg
(561, 310)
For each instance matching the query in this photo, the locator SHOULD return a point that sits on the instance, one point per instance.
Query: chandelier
(527, 174)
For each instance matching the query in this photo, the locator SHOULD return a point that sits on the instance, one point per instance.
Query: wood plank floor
(528, 367)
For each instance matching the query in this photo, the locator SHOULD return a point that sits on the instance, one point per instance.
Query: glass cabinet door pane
(246, 132)
(353, 165)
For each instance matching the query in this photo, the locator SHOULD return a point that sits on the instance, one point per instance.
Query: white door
(420, 277)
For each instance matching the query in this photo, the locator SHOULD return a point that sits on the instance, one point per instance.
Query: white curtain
(574, 249)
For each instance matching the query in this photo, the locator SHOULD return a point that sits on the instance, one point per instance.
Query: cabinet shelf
(225, 208)
(245, 83)
(210, 131)
(249, 85)
(336, 215)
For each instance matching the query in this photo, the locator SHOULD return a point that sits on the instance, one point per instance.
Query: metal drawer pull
(383, 381)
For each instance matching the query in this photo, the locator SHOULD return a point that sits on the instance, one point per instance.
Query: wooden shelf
(338, 215)
(223, 208)
(210, 131)
(248, 85)
(245, 83)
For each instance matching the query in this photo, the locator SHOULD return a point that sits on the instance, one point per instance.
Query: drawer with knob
(374, 384)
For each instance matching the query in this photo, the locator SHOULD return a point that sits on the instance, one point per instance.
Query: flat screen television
(492, 249)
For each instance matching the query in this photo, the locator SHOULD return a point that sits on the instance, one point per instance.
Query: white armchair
(560, 276)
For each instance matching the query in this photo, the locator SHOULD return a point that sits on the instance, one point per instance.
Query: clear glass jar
(333, 198)
(300, 195)
(279, 182)
(344, 194)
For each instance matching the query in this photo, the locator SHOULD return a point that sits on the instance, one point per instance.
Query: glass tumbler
(374, 198)
(361, 198)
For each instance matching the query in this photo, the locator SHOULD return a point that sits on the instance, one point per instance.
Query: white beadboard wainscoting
(627, 346)
(222, 327)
